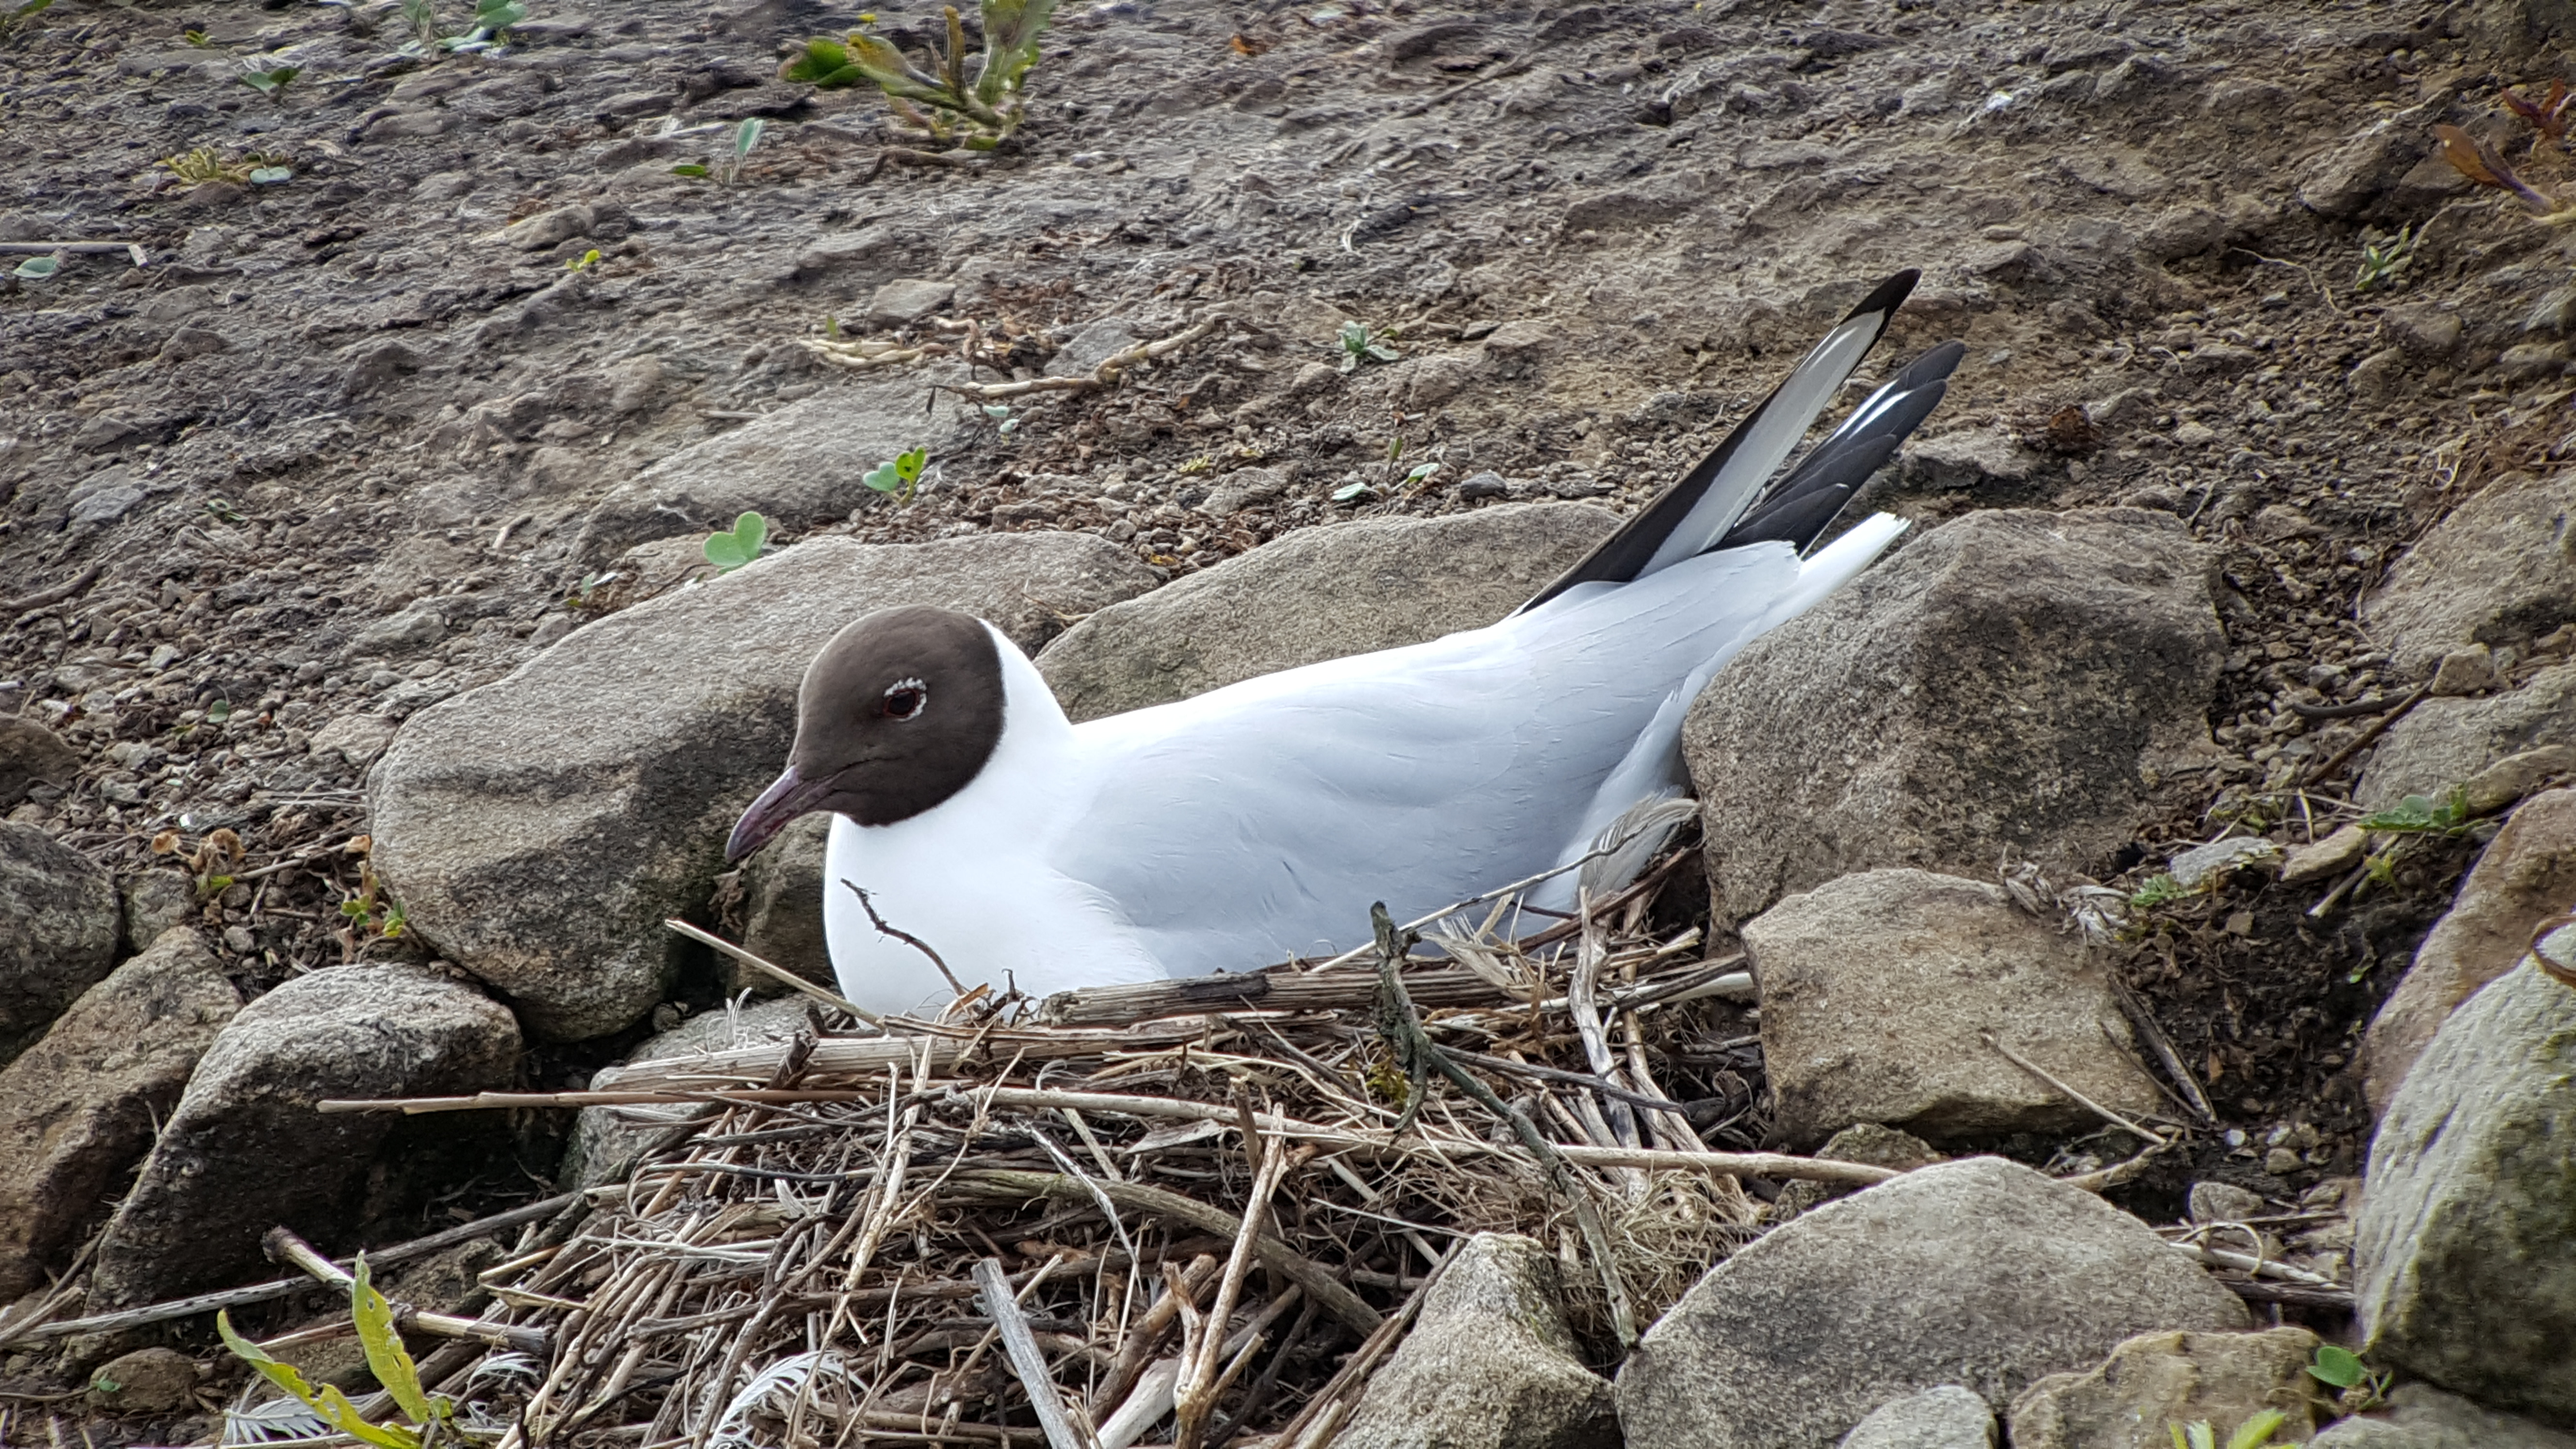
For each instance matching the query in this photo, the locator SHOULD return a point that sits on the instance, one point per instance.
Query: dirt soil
(1593, 235)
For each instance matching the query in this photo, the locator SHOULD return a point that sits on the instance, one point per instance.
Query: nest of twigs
(1178, 1213)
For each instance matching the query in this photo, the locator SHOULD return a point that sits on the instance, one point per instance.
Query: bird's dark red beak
(789, 796)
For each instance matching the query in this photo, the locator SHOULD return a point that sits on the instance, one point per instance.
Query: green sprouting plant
(2422, 815)
(899, 477)
(2382, 261)
(999, 415)
(17, 18)
(1354, 493)
(978, 113)
(271, 175)
(37, 269)
(2342, 1370)
(223, 509)
(219, 712)
(591, 583)
(584, 262)
(426, 1418)
(2159, 890)
(2254, 1433)
(197, 38)
(271, 83)
(728, 168)
(1359, 345)
(371, 913)
(730, 551)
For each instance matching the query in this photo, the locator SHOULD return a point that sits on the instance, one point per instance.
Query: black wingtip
(1887, 296)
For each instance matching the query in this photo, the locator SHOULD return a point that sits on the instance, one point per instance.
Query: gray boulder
(1319, 593)
(1490, 1364)
(2446, 742)
(58, 931)
(32, 755)
(1878, 988)
(2501, 569)
(2420, 1416)
(2002, 687)
(2156, 1380)
(77, 1109)
(782, 911)
(540, 829)
(2526, 876)
(245, 1151)
(1948, 1417)
(2461, 1273)
(799, 466)
(1980, 1273)
(606, 1141)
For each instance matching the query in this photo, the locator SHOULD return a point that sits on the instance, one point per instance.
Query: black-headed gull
(1258, 822)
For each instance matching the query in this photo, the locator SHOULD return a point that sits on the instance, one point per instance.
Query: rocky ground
(300, 462)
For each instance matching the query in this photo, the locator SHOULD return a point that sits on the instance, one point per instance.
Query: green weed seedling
(1355, 493)
(2342, 1370)
(942, 105)
(1359, 346)
(2422, 815)
(271, 83)
(37, 269)
(730, 551)
(728, 168)
(2159, 890)
(426, 1418)
(198, 38)
(584, 262)
(899, 477)
(999, 415)
(2254, 1433)
(2382, 261)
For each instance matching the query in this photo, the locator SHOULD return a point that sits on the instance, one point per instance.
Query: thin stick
(283, 1287)
(1106, 375)
(1003, 1307)
(55, 595)
(132, 250)
(2378, 727)
(1148, 1332)
(906, 937)
(287, 1247)
(2087, 1103)
(819, 993)
(2163, 1047)
(1586, 1013)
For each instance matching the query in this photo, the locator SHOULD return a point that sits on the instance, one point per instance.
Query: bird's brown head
(898, 713)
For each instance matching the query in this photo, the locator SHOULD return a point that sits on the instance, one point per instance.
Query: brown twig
(1027, 1360)
(906, 937)
(781, 974)
(25, 603)
(285, 1247)
(2378, 727)
(1106, 375)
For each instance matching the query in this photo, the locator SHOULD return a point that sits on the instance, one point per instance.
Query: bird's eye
(904, 698)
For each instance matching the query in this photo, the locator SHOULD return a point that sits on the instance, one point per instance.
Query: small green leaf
(106, 1385)
(271, 175)
(2256, 1432)
(730, 551)
(37, 269)
(218, 712)
(689, 168)
(498, 14)
(746, 136)
(386, 1357)
(2340, 1367)
(1354, 493)
(823, 57)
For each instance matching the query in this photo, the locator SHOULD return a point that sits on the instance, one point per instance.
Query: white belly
(999, 919)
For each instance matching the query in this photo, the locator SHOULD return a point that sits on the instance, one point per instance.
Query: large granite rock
(78, 1108)
(540, 829)
(58, 931)
(1879, 988)
(32, 755)
(2446, 742)
(1319, 593)
(1905, 1286)
(2420, 1416)
(1996, 689)
(1489, 1364)
(245, 1151)
(2160, 1379)
(798, 466)
(2501, 569)
(2526, 876)
(2461, 1269)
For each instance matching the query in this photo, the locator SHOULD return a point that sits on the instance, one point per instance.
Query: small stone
(548, 229)
(2375, 378)
(2281, 1161)
(1912, 964)
(58, 931)
(2201, 862)
(2465, 671)
(356, 738)
(2195, 434)
(2423, 330)
(2527, 361)
(2333, 855)
(2158, 1379)
(2506, 782)
(2225, 1202)
(414, 628)
(1313, 377)
(1489, 1364)
(1970, 458)
(146, 1381)
(2420, 1416)
(550, 630)
(32, 755)
(907, 300)
(105, 505)
(1487, 484)
(1518, 341)
(155, 901)
(1948, 1417)
(1083, 352)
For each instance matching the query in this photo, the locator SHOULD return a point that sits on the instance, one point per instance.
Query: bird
(980, 838)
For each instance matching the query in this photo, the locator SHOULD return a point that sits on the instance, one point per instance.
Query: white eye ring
(921, 698)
